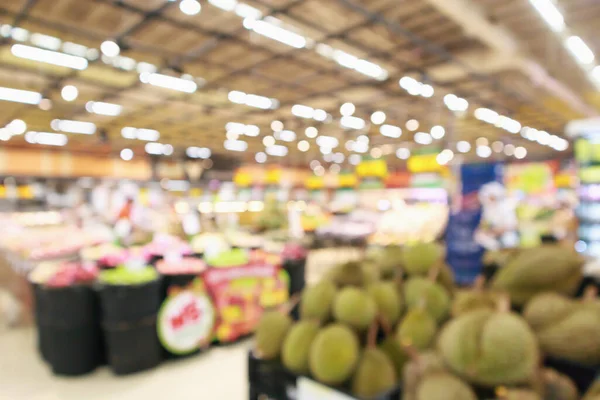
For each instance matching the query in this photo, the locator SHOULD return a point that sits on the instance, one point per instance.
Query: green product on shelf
(122, 275)
(231, 258)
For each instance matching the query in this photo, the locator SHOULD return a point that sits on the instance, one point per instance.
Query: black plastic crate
(69, 306)
(73, 351)
(124, 303)
(582, 375)
(132, 346)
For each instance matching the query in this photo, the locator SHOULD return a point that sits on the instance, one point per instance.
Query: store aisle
(220, 374)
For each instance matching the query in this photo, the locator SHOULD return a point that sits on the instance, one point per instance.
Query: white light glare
(20, 96)
(403, 153)
(260, 157)
(65, 125)
(242, 129)
(311, 132)
(580, 50)
(252, 100)
(550, 14)
(391, 131)
(412, 125)
(484, 151)
(246, 11)
(416, 88)
(350, 61)
(156, 149)
(198, 152)
(463, 146)
(487, 115)
(225, 5)
(149, 135)
(438, 132)
(455, 103)
(351, 122)
(275, 32)
(329, 142)
(520, 153)
(169, 82)
(69, 93)
(303, 146)
(49, 57)
(277, 150)
(354, 159)
(46, 138)
(378, 117)
(277, 126)
(286, 136)
(102, 108)
(302, 111)
(45, 41)
(445, 157)
(423, 138)
(16, 127)
(190, 7)
(126, 154)
(235, 145)
(110, 48)
(347, 109)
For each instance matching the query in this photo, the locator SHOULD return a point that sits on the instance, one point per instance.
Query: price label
(310, 390)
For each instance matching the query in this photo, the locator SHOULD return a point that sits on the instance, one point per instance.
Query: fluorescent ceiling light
(378, 117)
(20, 96)
(190, 7)
(550, 14)
(320, 115)
(198, 152)
(438, 132)
(102, 108)
(303, 111)
(64, 125)
(252, 100)
(303, 146)
(110, 48)
(487, 115)
(484, 151)
(455, 103)
(69, 93)
(245, 11)
(328, 142)
(75, 49)
(347, 109)
(16, 127)
(350, 61)
(423, 138)
(19, 34)
(260, 157)
(49, 57)
(351, 122)
(156, 149)
(235, 145)
(149, 135)
(520, 152)
(45, 41)
(390, 131)
(286, 136)
(277, 150)
(126, 154)
(169, 82)
(580, 50)
(225, 5)
(276, 33)
(463, 146)
(403, 153)
(311, 132)
(46, 138)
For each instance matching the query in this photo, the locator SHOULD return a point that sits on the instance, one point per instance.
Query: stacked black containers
(69, 335)
(129, 315)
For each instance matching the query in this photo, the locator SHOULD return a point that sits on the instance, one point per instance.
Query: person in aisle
(499, 224)
(564, 220)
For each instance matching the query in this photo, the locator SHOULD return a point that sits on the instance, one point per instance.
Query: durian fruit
(548, 268)
(397, 355)
(389, 260)
(471, 299)
(389, 302)
(517, 394)
(355, 308)
(557, 386)
(444, 386)
(270, 334)
(317, 301)
(490, 348)
(436, 298)
(334, 354)
(418, 328)
(354, 273)
(420, 258)
(296, 346)
(420, 366)
(593, 392)
(446, 278)
(566, 329)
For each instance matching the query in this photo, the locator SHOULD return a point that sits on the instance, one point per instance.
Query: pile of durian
(436, 341)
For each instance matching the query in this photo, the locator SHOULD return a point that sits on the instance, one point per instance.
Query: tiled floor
(219, 374)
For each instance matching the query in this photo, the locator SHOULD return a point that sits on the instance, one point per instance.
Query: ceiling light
(268, 141)
(376, 152)
(455, 103)
(509, 149)
(16, 127)
(198, 152)
(235, 145)
(190, 7)
(378, 117)
(45, 104)
(319, 171)
(349, 145)
(487, 115)
(520, 152)
(246, 11)
(445, 157)
(232, 135)
(498, 146)
(110, 48)
(46, 138)
(427, 90)
(49, 57)
(149, 135)
(360, 147)
(286, 136)
(311, 132)
(328, 141)
(303, 111)
(596, 73)
(45, 41)
(102, 108)
(325, 150)
(126, 154)
(5, 135)
(277, 150)
(550, 14)
(482, 141)
(252, 100)
(390, 131)
(320, 115)
(75, 49)
(69, 93)
(423, 138)
(303, 146)
(225, 5)
(155, 148)
(412, 125)
(169, 82)
(483, 151)
(146, 67)
(65, 125)
(235, 126)
(351, 122)
(580, 50)
(19, 34)
(362, 139)
(242, 129)
(252, 130)
(403, 153)
(339, 158)
(275, 32)
(260, 157)
(276, 126)
(354, 159)
(335, 169)
(438, 132)
(347, 109)
(20, 96)
(463, 146)
(314, 164)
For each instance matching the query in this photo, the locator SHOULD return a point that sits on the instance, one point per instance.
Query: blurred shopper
(499, 224)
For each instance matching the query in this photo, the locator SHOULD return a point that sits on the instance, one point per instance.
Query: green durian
(270, 334)
(444, 386)
(389, 302)
(355, 308)
(418, 328)
(296, 346)
(375, 374)
(435, 297)
(334, 354)
(317, 301)
(420, 258)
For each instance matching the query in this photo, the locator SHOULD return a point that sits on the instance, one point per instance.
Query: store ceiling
(498, 55)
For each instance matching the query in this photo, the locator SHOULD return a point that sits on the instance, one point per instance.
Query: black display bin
(68, 327)
(582, 375)
(296, 270)
(125, 303)
(132, 346)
